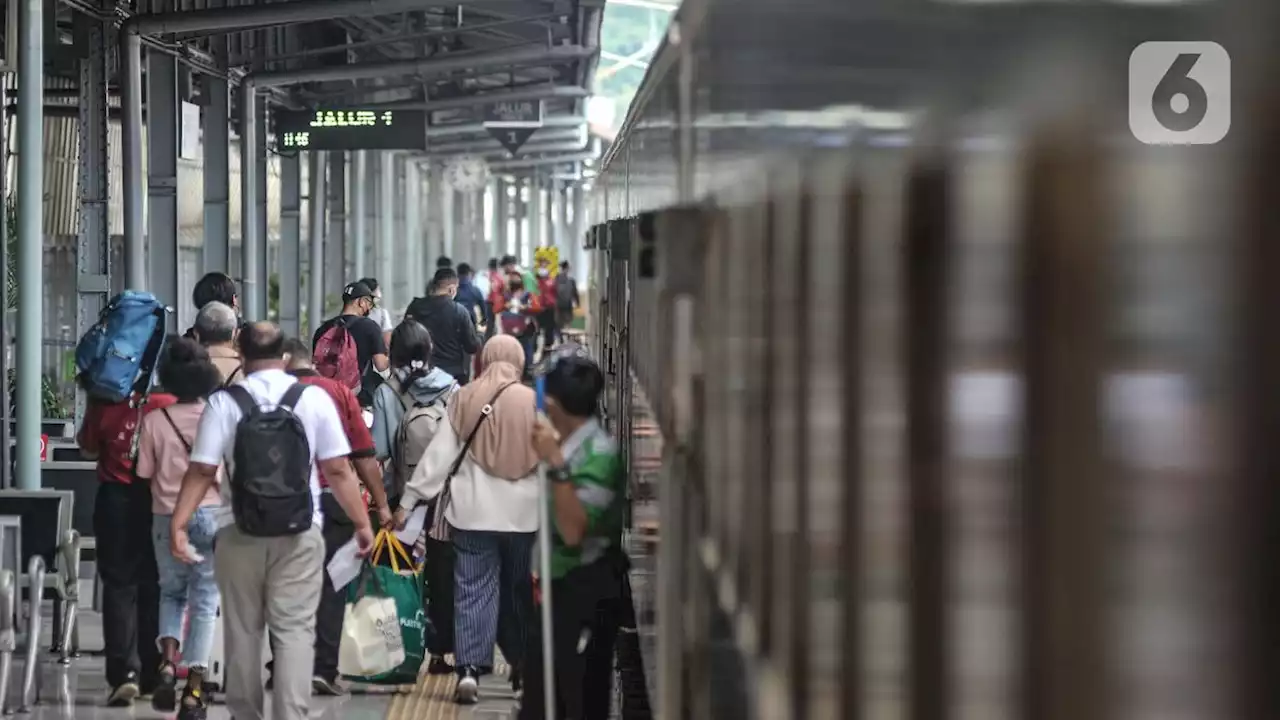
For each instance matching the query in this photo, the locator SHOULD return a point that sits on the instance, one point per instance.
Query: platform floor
(79, 691)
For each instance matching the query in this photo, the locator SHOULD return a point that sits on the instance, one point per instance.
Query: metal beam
(555, 121)
(386, 230)
(315, 265)
(93, 243)
(30, 199)
(216, 146)
(290, 244)
(162, 183)
(543, 161)
(244, 17)
(335, 249)
(249, 239)
(135, 252)
(424, 67)
(557, 92)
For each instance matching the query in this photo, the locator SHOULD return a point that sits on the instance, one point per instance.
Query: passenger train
(944, 331)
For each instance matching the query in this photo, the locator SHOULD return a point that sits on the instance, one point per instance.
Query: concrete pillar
(564, 232)
(413, 260)
(162, 184)
(290, 243)
(251, 300)
(260, 213)
(501, 219)
(386, 230)
(520, 209)
(537, 224)
(135, 250)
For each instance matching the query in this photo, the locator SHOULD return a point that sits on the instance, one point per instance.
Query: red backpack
(336, 356)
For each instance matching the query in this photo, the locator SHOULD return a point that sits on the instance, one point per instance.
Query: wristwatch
(559, 475)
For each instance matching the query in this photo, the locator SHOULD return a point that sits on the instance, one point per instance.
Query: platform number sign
(1179, 93)
(513, 123)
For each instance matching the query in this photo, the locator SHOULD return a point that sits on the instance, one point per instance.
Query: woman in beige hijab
(492, 508)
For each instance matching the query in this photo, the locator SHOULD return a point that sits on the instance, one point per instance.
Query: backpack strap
(291, 396)
(393, 381)
(232, 376)
(242, 397)
(176, 431)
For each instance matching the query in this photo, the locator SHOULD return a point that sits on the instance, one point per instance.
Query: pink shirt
(162, 454)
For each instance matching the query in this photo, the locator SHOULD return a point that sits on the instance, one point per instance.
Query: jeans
(528, 341)
(130, 592)
(188, 588)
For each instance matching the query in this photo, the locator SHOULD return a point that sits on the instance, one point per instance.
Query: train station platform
(78, 692)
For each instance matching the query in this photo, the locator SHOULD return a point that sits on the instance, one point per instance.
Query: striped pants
(493, 595)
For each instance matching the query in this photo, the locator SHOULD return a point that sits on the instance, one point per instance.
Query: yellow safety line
(432, 697)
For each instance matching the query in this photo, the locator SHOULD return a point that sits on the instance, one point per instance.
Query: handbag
(440, 529)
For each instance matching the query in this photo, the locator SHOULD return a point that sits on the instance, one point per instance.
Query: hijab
(502, 447)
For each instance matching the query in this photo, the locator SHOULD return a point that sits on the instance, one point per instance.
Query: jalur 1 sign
(351, 129)
(513, 123)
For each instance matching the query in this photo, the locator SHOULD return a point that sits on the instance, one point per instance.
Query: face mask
(543, 272)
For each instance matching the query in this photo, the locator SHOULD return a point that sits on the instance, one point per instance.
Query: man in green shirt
(588, 567)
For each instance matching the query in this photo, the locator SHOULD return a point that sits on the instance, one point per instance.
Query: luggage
(336, 356)
(378, 593)
(118, 354)
(418, 425)
(271, 479)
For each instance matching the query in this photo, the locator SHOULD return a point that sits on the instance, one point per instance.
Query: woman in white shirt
(492, 510)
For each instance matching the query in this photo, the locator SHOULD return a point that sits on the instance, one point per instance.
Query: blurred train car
(967, 398)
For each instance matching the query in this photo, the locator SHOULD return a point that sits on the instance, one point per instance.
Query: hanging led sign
(351, 129)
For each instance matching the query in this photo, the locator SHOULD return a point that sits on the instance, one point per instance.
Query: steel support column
(162, 183)
(316, 192)
(93, 243)
(373, 209)
(386, 230)
(576, 240)
(335, 249)
(436, 192)
(250, 297)
(520, 209)
(135, 251)
(501, 218)
(216, 146)
(448, 220)
(359, 213)
(400, 266)
(413, 261)
(264, 265)
(537, 225)
(30, 198)
(564, 233)
(290, 243)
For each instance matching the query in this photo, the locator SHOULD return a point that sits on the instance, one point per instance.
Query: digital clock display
(351, 129)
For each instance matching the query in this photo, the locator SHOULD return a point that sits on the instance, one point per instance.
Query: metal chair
(48, 534)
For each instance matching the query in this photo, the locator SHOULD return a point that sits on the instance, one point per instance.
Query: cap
(355, 291)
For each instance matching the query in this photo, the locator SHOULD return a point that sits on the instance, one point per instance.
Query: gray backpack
(419, 423)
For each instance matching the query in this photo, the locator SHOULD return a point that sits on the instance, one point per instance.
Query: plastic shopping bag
(399, 589)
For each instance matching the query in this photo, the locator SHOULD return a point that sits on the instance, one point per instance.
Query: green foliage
(53, 405)
(627, 30)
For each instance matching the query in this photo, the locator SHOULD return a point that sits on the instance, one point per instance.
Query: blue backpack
(118, 354)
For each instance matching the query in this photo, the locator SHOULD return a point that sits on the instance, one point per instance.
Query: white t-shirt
(215, 438)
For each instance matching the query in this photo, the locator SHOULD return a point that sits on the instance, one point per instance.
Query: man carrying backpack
(347, 347)
(275, 436)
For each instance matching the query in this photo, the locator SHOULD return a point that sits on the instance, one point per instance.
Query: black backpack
(271, 482)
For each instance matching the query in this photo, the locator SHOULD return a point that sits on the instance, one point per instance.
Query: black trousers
(584, 681)
(130, 584)
(337, 531)
(439, 576)
(550, 326)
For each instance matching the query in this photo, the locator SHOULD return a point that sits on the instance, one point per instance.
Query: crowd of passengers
(171, 553)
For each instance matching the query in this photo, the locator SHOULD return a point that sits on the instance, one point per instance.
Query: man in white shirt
(269, 582)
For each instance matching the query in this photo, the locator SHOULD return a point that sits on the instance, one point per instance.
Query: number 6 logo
(1179, 93)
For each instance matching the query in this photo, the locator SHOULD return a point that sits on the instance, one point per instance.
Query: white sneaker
(468, 692)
